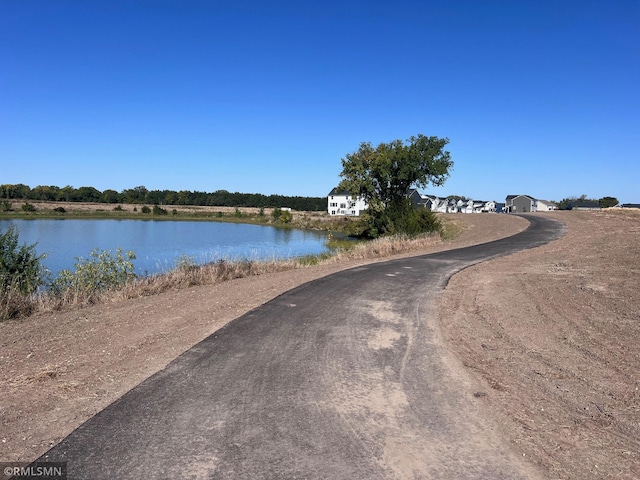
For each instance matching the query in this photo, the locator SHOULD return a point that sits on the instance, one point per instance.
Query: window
(343, 205)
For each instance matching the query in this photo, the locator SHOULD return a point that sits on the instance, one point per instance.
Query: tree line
(570, 203)
(141, 195)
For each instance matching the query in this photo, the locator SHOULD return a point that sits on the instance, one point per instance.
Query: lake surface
(157, 244)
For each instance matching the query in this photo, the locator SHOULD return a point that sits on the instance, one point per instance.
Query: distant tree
(141, 195)
(606, 202)
(88, 194)
(457, 197)
(384, 175)
(135, 195)
(571, 202)
(110, 196)
(43, 192)
(18, 191)
(67, 194)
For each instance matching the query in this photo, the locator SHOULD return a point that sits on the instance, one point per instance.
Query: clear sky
(536, 97)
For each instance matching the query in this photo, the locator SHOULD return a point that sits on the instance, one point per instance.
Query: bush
(101, 271)
(59, 210)
(21, 267)
(405, 220)
(159, 210)
(145, 209)
(28, 207)
(6, 206)
(281, 216)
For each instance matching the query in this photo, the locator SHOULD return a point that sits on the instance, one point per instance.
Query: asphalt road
(342, 378)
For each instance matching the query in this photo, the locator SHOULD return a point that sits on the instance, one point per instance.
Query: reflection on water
(157, 244)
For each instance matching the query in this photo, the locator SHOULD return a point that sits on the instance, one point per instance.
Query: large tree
(384, 175)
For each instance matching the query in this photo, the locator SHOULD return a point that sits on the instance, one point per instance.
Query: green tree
(383, 176)
(88, 194)
(20, 266)
(157, 210)
(606, 202)
(110, 196)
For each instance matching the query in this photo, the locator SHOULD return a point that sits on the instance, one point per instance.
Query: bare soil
(552, 333)
(555, 334)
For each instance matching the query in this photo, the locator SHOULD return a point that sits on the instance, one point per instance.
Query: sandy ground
(551, 332)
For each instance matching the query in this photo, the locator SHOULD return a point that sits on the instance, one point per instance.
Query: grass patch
(450, 230)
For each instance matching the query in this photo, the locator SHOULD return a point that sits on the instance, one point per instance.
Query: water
(158, 244)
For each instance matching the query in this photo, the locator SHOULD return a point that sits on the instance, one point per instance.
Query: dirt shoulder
(554, 335)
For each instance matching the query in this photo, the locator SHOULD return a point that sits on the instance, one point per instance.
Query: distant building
(446, 205)
(340, 202)
(527, 204)
(586, 205)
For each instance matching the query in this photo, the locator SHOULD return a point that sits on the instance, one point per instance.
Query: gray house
(527, 204)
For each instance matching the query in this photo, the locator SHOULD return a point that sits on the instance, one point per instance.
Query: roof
(335, 191)
(511, 197)
(585, 204)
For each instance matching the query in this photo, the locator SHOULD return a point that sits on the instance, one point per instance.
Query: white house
(489, 206)
(446, 205)
(340, 202)
(546, 206)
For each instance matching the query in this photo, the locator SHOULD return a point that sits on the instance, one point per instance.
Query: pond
(158, 244)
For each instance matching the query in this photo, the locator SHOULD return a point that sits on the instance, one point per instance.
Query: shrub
(184, 263)
(281, 216)
(59, 210)
(28, 207)
(157, 210)
(6, 206)
(101, 271)
(118, 208)
(145, 209)
(404, 220)
(21, 267)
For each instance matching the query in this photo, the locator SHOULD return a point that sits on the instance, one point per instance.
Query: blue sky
(536, 97)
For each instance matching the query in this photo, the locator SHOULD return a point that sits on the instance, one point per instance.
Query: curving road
(342, 378)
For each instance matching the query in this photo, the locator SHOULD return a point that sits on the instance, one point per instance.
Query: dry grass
(14, 303)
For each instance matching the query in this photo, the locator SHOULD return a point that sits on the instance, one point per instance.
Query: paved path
(342, 378)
